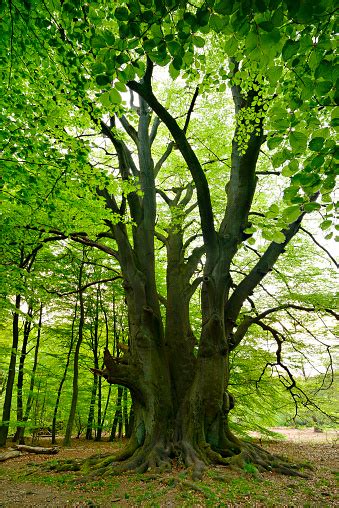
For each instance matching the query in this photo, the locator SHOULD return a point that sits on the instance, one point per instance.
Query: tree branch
(129, 129)
(119, 373)
(83, 288)
(190, 109)
(163, 158)
(320, 246)
(259, 271)
(144, 89)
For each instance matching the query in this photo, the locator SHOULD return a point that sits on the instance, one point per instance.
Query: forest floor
(24, 485)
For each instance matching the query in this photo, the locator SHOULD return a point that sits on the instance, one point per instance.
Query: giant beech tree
(115, 164)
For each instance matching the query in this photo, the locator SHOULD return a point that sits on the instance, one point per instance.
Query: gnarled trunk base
(155, 457)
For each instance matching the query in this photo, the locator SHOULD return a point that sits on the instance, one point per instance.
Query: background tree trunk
(4, 426)
(19, 434)
(75, 388)
(63, 379)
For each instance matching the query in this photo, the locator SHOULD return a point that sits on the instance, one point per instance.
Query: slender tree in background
(78, 342)
(63, 379)
(18, 436)
(150, 187)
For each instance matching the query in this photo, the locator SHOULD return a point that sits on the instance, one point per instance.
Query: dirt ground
(25, 485)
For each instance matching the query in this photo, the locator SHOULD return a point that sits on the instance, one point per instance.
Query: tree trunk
(30, 397)
(90, 419)
(75, 387)
(4, 426)
(19, 434)
(63, 379)
(99, 416)
(117, 415)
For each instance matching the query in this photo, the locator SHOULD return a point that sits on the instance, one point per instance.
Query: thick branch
(259, 271)
(242, 184)
(154, 129)
(119, 373)
(250, 320)
(83, 288)
(205, 207)
(84, 240)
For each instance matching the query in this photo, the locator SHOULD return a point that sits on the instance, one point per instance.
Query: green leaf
(278, 237)
(174, 48)
(290, 49)
(274, 73)
(298, 141)
(217, 22)
(274, 142)
(322, 88)
(114, 96)
(231, 46)
(266, 25)
(103, 79)
(326, 224)
(316, 144)
(224, 7)
(290, 169)
(291, 213)
(317, 161)
(279, 158)
(198, 41)
(121, 14)
(251, 41)
(311, 207)
(272, 212)
(98, 68)
(121, 87)
(174, 73)
(177, 63)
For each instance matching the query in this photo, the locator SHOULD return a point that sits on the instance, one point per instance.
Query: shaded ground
(22, 485)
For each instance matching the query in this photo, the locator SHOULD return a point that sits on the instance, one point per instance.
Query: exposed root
(265, 461)
(157, 459)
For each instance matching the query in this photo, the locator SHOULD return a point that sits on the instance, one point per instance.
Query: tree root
(263, 461)
(157, 459)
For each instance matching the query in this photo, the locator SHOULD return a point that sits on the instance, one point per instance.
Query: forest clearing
(22, 484)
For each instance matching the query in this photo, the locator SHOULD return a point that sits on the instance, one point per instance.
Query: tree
(178, 380)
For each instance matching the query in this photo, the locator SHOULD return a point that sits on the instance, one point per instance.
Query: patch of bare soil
(22, 485)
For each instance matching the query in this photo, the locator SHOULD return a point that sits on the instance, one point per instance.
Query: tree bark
(75, 388)
(4, 426)
(63, 379)
(19, 434)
